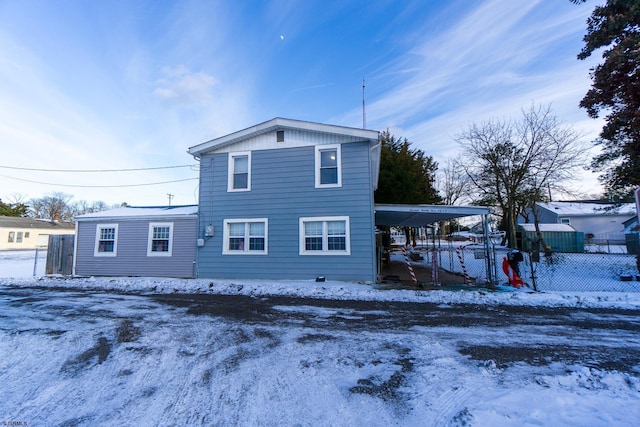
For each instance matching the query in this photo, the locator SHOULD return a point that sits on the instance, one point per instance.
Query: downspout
(75, 250)
(374, 152)
(487, 249)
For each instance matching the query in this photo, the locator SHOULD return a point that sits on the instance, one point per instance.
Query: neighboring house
(29, 233)
(137, 241)
(598, 221)
(288, 199)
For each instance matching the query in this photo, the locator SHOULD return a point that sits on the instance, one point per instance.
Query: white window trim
(150, 239)
(246, 251)
(338, 149)
(97, 242)
(325, 236)
(230, 188)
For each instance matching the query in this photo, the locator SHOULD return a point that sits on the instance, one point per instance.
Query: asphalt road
(607, 339)
(593, 337)
(187, 359)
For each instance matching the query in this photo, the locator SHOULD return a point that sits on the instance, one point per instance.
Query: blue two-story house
(288, 199)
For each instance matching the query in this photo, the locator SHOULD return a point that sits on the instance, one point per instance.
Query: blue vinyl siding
(131, 258)
(283, 190)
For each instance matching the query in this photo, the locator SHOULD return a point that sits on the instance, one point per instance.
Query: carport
(394, 215)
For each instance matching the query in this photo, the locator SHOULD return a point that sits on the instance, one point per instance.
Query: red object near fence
(514, 278)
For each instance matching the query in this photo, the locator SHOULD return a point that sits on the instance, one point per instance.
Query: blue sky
(107, 85)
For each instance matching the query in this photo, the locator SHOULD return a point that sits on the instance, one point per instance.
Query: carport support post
(487, 249)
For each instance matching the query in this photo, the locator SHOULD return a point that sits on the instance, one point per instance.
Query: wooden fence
(60, 254)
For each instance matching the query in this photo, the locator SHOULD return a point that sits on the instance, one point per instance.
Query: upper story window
(565, 220)
(328, 166)
(19, 237)
(239, 171)
(12, 236)
(325, 236)
(160, 239)
(245, 236)
(106, 240)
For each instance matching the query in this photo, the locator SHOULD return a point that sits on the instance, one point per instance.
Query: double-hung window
(106, 240)
(325, 236)
(328, 166)
(245, 236)
(12, 236)
(239, 171)
(160, 241)
(19, 237)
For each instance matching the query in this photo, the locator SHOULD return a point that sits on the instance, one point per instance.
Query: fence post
(533, 274)
(35, 264)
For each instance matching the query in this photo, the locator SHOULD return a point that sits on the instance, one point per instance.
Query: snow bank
(503, 295)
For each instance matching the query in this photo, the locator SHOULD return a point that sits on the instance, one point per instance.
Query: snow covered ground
(16, 267)
(99, 358)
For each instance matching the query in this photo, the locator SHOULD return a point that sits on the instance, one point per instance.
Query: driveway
(101, 358)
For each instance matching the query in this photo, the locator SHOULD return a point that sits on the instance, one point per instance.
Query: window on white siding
(26, 234)
(239, 171)
(106, 240)
(328, 166)
(12, 236)
(325, 236)
(19, 237)
(565, 220)
(246, 236)
(160, 239)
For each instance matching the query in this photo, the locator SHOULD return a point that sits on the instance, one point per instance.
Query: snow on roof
(585, 208)
(141, 212)
(548, 227)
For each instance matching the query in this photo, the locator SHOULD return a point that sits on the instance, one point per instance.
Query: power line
(99, 186)
(95, 170)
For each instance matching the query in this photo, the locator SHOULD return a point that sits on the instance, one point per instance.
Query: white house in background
(29, 233)
(598, 221)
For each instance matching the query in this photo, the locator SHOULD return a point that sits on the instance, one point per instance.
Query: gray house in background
(598, 221)
(288, 199)
(137, 241)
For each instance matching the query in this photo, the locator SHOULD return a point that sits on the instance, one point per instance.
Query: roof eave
(279, 123)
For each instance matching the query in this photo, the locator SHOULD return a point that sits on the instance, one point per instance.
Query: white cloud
(180, 86)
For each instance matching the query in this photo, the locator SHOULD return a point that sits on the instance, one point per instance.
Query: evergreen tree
(407, 175)
(16, 209)
(615, 28)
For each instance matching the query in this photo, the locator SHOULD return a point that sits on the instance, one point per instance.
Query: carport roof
(421, 215)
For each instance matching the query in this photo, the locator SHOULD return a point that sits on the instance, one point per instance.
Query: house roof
(421, 215)
(547, 227)
(279, 123)
(141, 212)
(44, 224)
(588, 208)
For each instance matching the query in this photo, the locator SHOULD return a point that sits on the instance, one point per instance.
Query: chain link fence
(596, 270)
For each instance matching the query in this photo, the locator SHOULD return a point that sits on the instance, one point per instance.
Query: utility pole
(364, 114)
(170, 196)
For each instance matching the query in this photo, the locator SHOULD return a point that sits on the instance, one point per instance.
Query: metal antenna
(170, 196)
(364, 114)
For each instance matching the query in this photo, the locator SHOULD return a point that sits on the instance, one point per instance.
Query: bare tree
(82, 207)
(512, 164)
(452, 183)
(54, 207)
